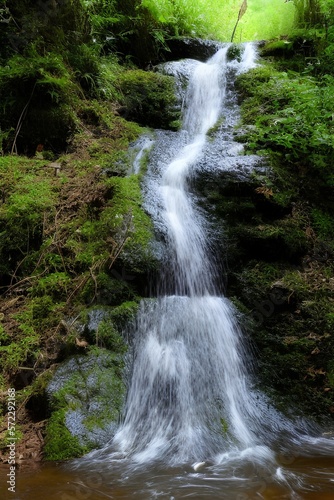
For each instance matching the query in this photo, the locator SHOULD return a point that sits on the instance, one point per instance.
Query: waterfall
(191, 397)
(189, 393)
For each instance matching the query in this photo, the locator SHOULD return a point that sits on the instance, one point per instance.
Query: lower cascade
(191, 397)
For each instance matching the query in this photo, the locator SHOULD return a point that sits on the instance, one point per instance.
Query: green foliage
(27, 198)
(109, 71)
(262, 20)
(104, 17)
(15, 353)
(108, 290)
(84, 61)
(121, 225)
(54, 284)
(144, 28)
(293, 117)
(124, 314)
(323, 222)
(50, 24)
(310, 12)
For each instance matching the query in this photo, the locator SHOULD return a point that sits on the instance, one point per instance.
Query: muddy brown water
(313, 480)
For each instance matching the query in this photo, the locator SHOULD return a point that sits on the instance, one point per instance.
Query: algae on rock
(86, 395)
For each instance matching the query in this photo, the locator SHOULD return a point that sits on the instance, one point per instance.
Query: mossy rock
(234, 52)
(86, 396)
(149, 99)
(278, 48)
(126, 216)
(43, 87)
(109, 326)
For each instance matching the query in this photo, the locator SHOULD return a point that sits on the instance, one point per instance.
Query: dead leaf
(81, 343)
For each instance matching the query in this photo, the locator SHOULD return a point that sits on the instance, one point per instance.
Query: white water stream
(188, 387)
(191, 398)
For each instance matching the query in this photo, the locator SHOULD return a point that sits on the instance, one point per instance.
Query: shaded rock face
(274, 276)
(88, 392)
(191, 48)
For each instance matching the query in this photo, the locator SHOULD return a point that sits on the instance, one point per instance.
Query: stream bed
(60, 482)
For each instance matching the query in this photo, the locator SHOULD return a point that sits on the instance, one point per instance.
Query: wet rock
(181, 71)
(193, 48)
(86, 396)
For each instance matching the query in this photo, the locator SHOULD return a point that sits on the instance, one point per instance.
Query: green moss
(224, 426)
(124, 314)
(15, 350)
(323, 223)
(278, 48)
(44, 86)
(291, 116)
(212, 131)
(86, 396)
(149, 98)
(234, 52)
(109, 290)
(28, 197)
(127, 217)
(59, 442)
(108, 336)
(256, 279)
(109, 324)
(55, 285)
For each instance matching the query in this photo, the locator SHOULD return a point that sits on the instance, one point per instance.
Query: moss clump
(109, 290)
(43, 86)
(292, 119)
(108, 336)
(59, 442)
(127, 217)
(292, 311)
(27, 195)
(124, 314)
(17, 350)
(108, 326)
(234, 52)
(278, 48)
(149, 99)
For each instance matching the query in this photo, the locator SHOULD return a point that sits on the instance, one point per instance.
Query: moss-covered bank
(73, 237)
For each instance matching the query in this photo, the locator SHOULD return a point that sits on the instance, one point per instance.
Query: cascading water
(189, 383)
(191, 397)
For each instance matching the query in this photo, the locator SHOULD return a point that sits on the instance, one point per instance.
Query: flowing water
(194, 426)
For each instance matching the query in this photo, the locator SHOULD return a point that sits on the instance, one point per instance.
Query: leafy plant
(293, 117)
